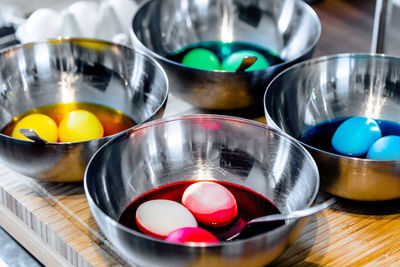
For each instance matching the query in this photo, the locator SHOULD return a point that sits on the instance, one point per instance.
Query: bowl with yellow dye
(76, 94)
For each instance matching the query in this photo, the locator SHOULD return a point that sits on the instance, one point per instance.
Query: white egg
(121, 38)
(110, 20)
(108, 24)
(69, 26)
(159, 217)
(85, 14)
(124, 10)
(44, 23)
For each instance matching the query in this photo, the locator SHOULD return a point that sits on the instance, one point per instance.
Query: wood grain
(53, 220)
(47, 220)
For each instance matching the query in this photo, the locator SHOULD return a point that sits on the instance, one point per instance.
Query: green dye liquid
(224, 50)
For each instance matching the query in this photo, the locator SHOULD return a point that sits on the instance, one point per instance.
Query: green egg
(201, 58)
(232, 62)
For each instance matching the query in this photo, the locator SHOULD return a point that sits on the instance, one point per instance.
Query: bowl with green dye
(202, 43)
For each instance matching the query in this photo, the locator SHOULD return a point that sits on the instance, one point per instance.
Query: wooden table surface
(53, 221)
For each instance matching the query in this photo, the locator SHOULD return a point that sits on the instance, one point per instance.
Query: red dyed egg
(159, 217)
(211, 203)
(191, 235)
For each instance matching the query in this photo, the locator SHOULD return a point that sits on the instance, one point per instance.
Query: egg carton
(7, 34)
(108, 20)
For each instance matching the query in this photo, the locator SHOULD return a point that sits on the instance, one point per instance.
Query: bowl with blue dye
(345, 110)
(284, 32)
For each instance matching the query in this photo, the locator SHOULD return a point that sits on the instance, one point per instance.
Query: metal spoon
(246, 63)
(32, 135)
(249, 230)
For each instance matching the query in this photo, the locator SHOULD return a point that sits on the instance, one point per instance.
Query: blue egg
(355, 136)
(385, 148)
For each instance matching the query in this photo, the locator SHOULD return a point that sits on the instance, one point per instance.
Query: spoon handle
(32, 135)
(246, 63)
(295, 214)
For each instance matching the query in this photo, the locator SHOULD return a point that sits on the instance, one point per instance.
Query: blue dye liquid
(320, 135)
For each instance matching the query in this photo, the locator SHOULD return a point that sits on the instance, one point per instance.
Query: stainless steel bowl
(200, 147)
(73, 70)
(289, 28)
(338, 86)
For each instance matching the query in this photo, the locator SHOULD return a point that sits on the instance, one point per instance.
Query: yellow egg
(43, 125)
(80, 125)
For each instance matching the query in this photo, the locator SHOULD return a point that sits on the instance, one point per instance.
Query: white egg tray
(108, 20)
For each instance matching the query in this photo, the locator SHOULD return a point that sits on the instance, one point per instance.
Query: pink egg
(159, 217)
(211, 203)
(191, 235)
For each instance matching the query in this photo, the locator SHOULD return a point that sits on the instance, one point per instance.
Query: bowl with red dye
(208, 174)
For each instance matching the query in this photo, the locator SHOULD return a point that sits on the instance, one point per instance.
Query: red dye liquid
(250, 205)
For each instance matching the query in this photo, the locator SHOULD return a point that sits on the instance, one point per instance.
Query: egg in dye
(385, 148)
(43, 125)
(80, 125)
(159, 217)
(212, 204)
(192, 235)
(355, 136)
(201, 58)
(233, 61)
